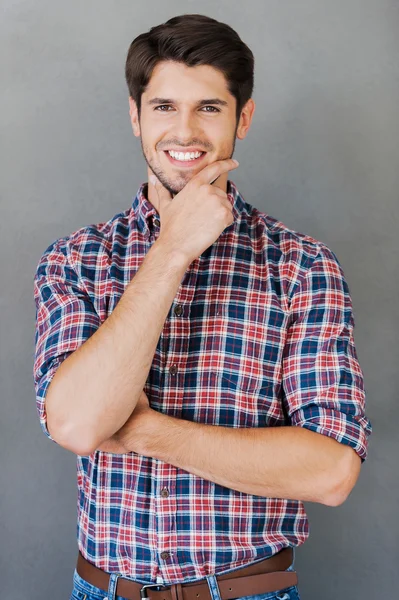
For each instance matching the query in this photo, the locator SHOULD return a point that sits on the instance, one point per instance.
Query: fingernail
(236, 161)
(152, 179)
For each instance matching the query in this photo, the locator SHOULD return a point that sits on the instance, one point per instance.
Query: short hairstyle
(192, 39)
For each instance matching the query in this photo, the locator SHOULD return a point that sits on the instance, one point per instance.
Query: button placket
(166, 511)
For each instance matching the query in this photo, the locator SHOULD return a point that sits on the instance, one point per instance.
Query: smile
(188, 159)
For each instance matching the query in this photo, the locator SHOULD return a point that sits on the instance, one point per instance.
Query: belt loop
(113, 582)
(213, 587)
(292, 565)
(176, 591)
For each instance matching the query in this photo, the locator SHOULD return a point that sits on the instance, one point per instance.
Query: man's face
(182, 123)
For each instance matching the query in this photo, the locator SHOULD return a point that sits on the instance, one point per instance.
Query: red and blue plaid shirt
(260, 334)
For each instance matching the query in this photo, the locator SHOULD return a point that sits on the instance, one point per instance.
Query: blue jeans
(83, 590)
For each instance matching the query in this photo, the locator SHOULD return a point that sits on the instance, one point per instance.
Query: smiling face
(186, 109)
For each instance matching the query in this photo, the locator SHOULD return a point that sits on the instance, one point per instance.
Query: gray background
(322, 156)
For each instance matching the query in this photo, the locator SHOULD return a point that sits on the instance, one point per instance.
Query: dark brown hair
(194, 40)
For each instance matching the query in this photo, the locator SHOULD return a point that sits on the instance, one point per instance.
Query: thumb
(162, 193)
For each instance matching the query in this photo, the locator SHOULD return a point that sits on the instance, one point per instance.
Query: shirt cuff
(40, 398)
(352, 430)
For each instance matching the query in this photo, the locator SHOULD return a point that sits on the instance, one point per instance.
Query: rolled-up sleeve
(65, 318)
(323, 387)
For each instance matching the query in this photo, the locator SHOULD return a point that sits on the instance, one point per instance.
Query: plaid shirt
(260, 334)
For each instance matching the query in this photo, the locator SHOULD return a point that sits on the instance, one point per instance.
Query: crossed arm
(280, 462)
(283, 462)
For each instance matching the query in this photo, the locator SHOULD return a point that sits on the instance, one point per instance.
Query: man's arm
(278, 462)
(318, 457)
(103, 379)
(96, 387)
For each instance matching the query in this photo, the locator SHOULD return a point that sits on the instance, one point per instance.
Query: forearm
(278, 462)
(96, 389)
(112, 446)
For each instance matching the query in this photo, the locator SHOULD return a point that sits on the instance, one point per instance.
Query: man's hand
(195, 217)
(131, 437)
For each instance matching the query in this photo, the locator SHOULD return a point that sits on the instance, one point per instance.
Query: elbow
(66, 428)
(70, 438)
(68, 433)
(77, 442)
(344, 479)
(335, 499)
(77, 447)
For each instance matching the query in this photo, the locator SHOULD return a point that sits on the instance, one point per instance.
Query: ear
(245, 119)
(134, 118)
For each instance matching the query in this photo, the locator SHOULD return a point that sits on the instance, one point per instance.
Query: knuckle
(224, 211)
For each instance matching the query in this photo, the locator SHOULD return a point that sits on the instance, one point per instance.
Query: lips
(185, 163)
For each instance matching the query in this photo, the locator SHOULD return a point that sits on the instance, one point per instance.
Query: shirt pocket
(235, 353)
(238, 348)
(241, 400)
(245, 366)
(237, 380)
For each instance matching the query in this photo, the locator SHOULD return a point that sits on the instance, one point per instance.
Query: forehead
(171, 79)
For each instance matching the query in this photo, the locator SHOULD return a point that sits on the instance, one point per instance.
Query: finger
(218, 192)
(162, 193)
(211, 172)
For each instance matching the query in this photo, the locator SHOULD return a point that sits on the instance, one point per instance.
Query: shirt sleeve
(65, 318)
(323, 387)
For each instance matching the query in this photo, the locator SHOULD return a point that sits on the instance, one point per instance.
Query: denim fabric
(82, 590)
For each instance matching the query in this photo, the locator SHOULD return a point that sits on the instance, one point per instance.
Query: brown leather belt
(268, 575)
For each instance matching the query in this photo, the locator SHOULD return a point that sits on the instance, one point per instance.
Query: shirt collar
(145, 212)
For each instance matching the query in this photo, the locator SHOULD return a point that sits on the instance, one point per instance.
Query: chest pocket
(237, 348)
(245, 350)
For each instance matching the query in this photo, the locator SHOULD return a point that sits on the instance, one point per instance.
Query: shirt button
(164, 492)
(165, 555)
(178, 310)
(173, 370)
(157, 222)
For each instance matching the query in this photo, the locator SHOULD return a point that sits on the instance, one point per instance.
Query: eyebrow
(199, 103)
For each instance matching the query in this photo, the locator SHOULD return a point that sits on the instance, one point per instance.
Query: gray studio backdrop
(322, 156)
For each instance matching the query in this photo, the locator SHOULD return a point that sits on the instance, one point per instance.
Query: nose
(186, 128)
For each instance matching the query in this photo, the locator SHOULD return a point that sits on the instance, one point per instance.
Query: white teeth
(184, 156)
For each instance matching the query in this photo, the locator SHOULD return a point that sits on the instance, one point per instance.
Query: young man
(200, 354)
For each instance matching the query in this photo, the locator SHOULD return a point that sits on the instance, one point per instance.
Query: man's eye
(162, 106)
(168, 106)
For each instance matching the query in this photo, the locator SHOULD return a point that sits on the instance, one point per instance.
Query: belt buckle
(143, 591)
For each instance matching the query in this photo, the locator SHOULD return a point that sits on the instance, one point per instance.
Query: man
(196, 354)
